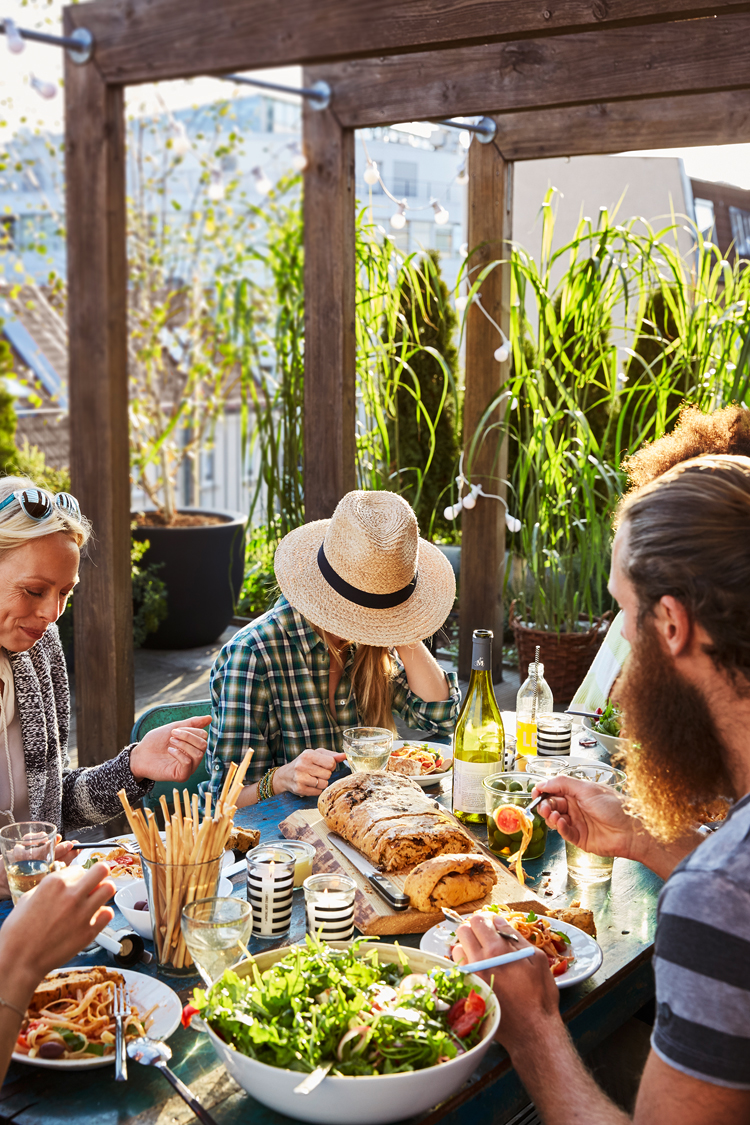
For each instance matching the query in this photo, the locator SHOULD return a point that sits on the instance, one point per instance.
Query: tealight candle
(329, 905)
(270, 884)
(304, 854)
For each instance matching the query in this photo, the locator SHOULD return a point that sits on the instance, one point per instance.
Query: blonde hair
(16, 528)
(372, 681)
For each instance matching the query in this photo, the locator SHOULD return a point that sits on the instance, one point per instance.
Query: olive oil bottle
(479, 738)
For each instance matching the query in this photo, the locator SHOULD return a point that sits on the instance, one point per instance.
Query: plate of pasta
(124, 859)
(69, 1023)
(573, 955)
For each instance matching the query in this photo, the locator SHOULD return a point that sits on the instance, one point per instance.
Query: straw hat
(365, 575)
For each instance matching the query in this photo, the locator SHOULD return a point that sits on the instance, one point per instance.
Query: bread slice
(449, 880)
(576, 915)
(59, 986)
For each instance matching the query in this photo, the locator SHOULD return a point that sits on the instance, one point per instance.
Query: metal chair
(157, 717)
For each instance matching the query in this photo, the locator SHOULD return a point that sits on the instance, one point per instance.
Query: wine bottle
(479, 738)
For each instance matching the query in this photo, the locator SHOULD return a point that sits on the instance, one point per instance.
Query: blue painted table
(625, 911)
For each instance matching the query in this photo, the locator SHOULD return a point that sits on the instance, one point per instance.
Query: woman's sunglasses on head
(38, 505)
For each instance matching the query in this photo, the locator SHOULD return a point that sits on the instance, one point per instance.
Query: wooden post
(100, 478)
(330, 366)
(483, 528)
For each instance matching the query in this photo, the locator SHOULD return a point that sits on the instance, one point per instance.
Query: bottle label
(526, 738)
(468, 791)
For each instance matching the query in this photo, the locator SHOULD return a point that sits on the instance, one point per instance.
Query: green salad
(609, 721)
(320, 1005)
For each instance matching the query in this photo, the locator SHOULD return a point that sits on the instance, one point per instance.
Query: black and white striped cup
(553, 734)
(329, 906)
(270, 886)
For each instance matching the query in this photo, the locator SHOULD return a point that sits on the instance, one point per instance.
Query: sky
(20, 105)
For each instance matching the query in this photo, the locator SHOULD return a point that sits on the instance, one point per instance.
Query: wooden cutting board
(372, 915)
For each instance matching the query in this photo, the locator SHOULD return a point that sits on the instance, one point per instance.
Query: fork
(120, 1010)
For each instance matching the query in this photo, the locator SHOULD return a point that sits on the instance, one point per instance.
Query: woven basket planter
(567, 657)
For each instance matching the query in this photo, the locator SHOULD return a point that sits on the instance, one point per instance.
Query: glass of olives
(512, 788)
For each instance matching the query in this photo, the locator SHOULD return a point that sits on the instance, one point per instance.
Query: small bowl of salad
(401, 1029)
(606, 728)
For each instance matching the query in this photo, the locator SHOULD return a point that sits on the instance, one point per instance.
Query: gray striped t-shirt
(702, 959)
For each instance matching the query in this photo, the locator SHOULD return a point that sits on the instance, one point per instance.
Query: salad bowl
(366, 1099)
(609, 742)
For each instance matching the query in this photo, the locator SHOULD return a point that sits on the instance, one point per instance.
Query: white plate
(441, 748)
(131, 844)
(588, 952)
(144, 993)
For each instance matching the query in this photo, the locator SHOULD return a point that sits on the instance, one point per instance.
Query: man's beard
(676, 759)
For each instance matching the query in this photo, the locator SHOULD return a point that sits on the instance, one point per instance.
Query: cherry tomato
(560, 968)
(466, 1014)
(507, 821)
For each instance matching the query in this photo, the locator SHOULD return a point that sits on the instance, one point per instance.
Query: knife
(381, 883)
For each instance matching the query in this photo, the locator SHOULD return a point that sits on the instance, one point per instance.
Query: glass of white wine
(28, 850)
(367, 748)
(216, 931)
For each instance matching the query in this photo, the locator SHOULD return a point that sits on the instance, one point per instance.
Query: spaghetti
(121, 863)
(428, 761)
(537, 931)
(75, 1020)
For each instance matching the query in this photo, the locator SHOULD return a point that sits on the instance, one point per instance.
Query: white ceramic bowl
(368, 1100)
(610, 743)
(140, 920)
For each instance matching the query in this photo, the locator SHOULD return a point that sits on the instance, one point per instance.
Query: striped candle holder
(553, 735)
(270, 886)
(329, 906)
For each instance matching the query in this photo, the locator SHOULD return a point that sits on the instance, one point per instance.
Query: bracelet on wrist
(265, 785)
(13, 1008)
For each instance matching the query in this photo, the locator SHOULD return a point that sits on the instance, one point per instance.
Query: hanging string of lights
(469, 501)
(79, 47)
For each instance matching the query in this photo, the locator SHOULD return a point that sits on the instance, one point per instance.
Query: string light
(16, 44)
(464, 138)
(502, 353)
(398, 218)
(262, 183)
(462, 175)
(461, 303)
(299, 160)
(180, 141)
(371, 173)
(44, 89)
(216, 186)
(441, 215)
(469, 501)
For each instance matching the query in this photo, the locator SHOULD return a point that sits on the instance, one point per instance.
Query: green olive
(515, 787)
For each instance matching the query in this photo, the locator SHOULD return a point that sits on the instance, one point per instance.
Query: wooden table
(625, 912)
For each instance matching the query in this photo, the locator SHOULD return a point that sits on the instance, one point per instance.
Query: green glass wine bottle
(479, 738)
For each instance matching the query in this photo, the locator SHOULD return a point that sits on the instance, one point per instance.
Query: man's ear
(673, 624)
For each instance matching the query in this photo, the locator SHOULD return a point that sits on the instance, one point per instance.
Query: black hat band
(363, 597)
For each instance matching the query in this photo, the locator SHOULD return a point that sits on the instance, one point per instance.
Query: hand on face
(172, 752)
(307, 775)
(56, 920)
(525, 989)
(589, 815)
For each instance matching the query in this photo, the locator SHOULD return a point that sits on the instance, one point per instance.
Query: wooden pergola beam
(720, 118)
(153, 40)
(693, 57)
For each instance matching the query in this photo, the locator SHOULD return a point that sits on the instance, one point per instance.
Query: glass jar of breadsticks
(183, 864)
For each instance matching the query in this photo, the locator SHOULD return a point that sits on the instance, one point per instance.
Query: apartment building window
(421, 235)
(740, 221)
(405, 178)
(8, 232)
(400, 238)
(444, 239)
(704, 216)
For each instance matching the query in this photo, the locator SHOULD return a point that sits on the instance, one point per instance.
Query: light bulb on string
(464, 138)
(463, 250)
(452, 511)
(44, 89)
(180, 141)
(461, 303)
(462, 175)
(441, 215)
(502, 353)
(262, 183)
(470, 501)
(398, 218)
(371, 174)
(216, 186)
(299, 160)
(16, 43)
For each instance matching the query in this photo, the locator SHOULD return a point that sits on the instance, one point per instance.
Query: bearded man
(681, 574)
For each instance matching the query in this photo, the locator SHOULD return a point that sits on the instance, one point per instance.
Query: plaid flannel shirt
(269, 689)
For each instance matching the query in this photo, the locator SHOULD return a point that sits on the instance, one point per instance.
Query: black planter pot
(203, 570)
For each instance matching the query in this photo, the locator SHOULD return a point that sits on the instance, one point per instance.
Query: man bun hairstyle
(689, 537)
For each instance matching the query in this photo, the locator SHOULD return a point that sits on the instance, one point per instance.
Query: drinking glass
(28, 850)
(367, 748)
(585, 867)
(216, 931)
(169, 888)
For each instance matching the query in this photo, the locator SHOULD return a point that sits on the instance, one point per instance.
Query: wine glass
(216, 932)
(367, 748)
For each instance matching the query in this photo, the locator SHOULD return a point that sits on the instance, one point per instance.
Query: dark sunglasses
(38, 505)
